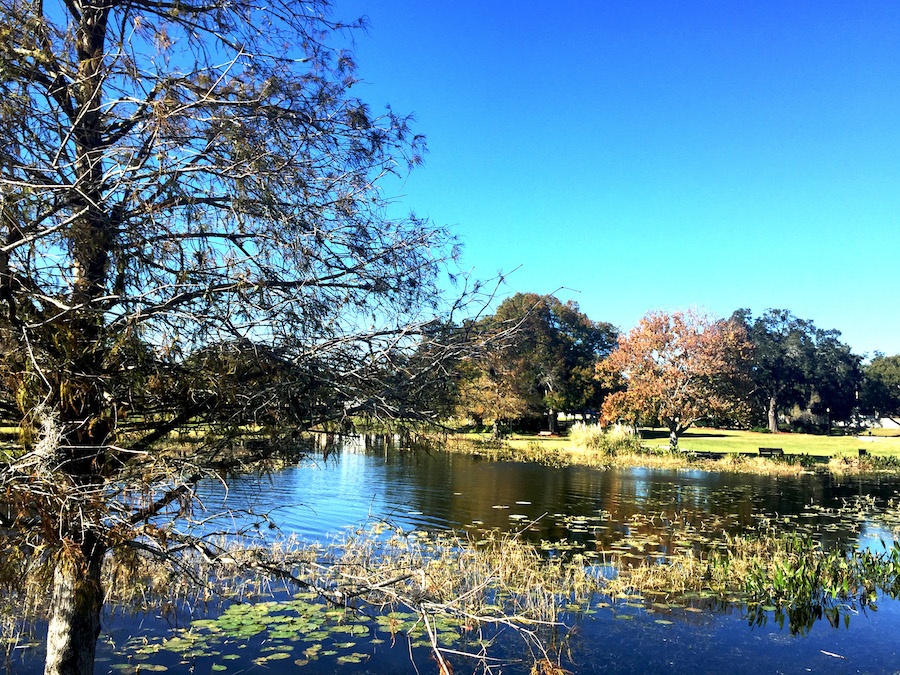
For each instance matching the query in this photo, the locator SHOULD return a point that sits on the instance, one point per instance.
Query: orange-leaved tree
(676, 369)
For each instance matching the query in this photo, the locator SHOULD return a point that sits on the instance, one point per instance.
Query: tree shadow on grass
(654, 434)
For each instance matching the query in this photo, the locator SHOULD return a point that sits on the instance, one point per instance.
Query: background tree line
(672, 370)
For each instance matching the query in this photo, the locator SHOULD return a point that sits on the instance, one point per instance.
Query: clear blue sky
(658, 155)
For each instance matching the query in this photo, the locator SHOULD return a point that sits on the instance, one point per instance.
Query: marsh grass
(448, 593)
(613, 441)
(787, 574)
(622, 454)
(867, 464)
(453, 594)
(475, 586)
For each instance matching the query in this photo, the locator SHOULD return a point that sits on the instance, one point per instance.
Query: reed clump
(765, 466)
(866, 464)
(497, 577)
(773, 568)
(457, 590)
(613, 441)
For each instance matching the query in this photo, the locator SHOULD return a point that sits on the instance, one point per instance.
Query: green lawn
(722, 440)
(725, 440)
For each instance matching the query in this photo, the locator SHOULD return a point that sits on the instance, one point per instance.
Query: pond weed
(444, 593)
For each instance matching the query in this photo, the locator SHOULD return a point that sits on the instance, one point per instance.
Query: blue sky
(658, 155)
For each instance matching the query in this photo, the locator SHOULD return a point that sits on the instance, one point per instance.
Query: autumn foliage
(674, 370)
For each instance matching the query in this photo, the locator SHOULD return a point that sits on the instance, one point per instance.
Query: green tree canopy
(546, 361)
(795, 363)
(880, 391)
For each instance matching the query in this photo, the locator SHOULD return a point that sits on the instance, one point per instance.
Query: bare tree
(192, 233)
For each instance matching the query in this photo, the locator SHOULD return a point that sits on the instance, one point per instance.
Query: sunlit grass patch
(734, 441)
(883, 433)
(736, 451)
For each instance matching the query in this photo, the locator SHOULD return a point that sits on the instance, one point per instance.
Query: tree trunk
(673, 439)
(74, 626)
(552, 425)
(773, 415)
(495, 432)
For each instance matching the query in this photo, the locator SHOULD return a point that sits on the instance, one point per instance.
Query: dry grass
(867, 464)
(722, 571)
(498, 581)
(475, 587)
(479, 586)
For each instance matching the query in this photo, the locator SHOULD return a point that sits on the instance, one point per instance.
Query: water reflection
(619, 512)
(652, 510)
(639, 512)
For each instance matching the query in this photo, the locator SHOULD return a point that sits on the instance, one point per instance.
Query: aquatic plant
(854, 464)
(786, 573)
(449, 594)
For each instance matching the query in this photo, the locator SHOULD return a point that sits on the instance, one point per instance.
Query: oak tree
(880, 391)
(675, 369)
(552, 354)
(191, 232)
(797, 364)
(487, 391)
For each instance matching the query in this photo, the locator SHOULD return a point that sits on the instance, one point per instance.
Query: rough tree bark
(75, 602)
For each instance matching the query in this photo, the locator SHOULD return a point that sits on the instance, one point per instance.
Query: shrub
(618, 439)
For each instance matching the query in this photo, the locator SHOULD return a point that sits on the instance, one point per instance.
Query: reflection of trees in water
(600, 508)
(636, 512)
(654, 511)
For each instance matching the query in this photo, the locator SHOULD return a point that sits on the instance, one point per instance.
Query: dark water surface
(597, 510)
(439, 490)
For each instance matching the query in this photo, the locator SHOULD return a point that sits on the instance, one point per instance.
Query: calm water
(440, 490)
(595, 509)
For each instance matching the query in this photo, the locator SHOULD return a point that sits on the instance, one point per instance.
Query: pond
(593, 511)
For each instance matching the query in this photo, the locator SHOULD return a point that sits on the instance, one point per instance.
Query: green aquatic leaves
(303, 629)
(658, 568)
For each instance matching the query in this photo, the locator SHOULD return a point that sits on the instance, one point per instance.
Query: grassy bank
(726, 450)
(730, 441)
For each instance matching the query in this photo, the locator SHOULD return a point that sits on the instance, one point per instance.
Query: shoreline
(560, 451)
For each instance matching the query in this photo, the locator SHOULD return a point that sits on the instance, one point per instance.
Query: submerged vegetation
(488, 599)
(787, 574)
